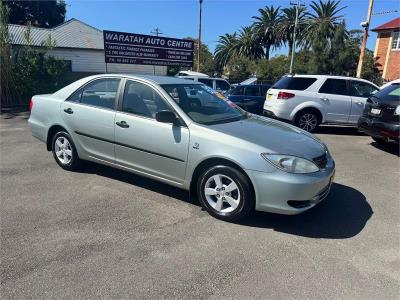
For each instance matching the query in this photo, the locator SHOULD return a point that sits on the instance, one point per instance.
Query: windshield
(203, 105)
(390, 93)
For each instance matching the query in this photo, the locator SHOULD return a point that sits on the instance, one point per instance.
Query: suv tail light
(31, 104)
(285, 95)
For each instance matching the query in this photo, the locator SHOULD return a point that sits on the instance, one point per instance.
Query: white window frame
(395, 41)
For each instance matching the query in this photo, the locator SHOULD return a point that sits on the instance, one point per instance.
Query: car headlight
(291, 164)
(397, 111)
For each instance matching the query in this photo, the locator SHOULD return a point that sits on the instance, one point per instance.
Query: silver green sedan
(184, 134)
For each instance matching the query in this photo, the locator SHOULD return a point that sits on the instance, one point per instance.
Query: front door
(335, 99)
(144, 144)
(360, 91)
(89, 114)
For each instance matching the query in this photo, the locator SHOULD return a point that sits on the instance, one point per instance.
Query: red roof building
(387, 49)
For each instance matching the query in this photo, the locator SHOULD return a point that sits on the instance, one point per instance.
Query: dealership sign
(131, 48)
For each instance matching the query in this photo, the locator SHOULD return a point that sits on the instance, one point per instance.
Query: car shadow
(338, 130)
(343, 214)
(137, 180)
(389, 148)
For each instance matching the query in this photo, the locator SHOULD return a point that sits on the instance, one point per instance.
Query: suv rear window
(390, 93)
(294, 83)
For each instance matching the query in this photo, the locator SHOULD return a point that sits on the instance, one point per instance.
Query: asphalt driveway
(107, 233)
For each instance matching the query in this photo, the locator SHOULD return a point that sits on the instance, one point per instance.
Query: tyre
(381, 141)
(64, 151)
(307, 120)
(225, 193)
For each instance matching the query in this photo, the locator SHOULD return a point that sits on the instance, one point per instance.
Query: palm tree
(266, 28)
(248, 46)
(324, 18)
(287, 24)
(227, 48)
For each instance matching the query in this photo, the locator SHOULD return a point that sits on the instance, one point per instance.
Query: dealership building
(80, 44)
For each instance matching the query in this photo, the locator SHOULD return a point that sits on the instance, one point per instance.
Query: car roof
(330, 76)
(152, 78)
(266, 85)
(202, 77)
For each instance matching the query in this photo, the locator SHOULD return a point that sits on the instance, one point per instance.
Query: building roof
(70, 34)
(393, 24)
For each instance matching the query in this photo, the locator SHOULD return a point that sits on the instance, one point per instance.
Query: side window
(101, 93)
(207, 82)
(222, 85)
(252, 91)
(76, 97)
(362, 89)
(334, 86)
(237, 91)
(141, 99)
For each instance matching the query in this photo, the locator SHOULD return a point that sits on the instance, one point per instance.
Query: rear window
(294, 83)
(390, 93)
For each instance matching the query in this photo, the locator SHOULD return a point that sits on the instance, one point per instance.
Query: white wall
(93, 61)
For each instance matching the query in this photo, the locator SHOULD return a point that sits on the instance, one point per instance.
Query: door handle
(69, 110)
(122, 124)
(359, 103)
(324, 99)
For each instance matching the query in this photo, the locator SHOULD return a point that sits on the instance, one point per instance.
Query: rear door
(359, 91)
(335, 99)
(89, 114)
(144, 144)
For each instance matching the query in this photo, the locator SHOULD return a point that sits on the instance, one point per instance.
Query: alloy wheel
(222, 193)
(308, 122)
(63, 150)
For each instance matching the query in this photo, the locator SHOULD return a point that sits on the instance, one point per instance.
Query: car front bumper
(379, 129)
(290, 194)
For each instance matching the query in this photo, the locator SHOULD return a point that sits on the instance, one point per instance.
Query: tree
(240, 68)
(323, 19)
(247, 45)
(287, 24)
(45, 14)
(266, 28)
(225, 49)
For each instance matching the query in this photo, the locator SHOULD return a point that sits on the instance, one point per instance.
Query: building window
(396, 40)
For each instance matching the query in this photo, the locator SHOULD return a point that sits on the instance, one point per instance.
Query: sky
(179, 18)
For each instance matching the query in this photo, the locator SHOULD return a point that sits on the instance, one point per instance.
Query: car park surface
(106, 233)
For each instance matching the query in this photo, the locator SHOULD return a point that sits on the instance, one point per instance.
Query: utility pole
(365, 37)
(199, 40)
(157, 32)
(298, 4)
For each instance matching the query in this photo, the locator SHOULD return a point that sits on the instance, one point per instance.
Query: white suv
(309, 100)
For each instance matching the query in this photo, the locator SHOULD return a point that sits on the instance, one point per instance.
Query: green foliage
(240, 68)
(45, 14)
(26, 71)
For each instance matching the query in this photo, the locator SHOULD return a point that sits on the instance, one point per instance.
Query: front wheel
(225, 193)
(64, 151)
(307, 120)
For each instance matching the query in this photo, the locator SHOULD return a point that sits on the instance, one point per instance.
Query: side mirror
(166, 116)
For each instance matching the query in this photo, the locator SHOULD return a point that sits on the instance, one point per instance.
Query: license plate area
(375, 111)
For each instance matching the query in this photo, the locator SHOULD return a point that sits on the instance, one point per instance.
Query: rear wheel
(307, 120)
(64, 151)
(225, 193)
(381, 141)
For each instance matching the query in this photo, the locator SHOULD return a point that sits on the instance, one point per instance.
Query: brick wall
(387, 61)
(393, 66)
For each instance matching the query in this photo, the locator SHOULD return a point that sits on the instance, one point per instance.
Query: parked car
(381, 116)
(249, 97)
(190, 73)
(389, 83)
(183, 134)
(218, 84)
(310, 100)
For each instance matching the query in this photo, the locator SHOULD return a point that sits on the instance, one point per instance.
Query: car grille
(321, 161)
